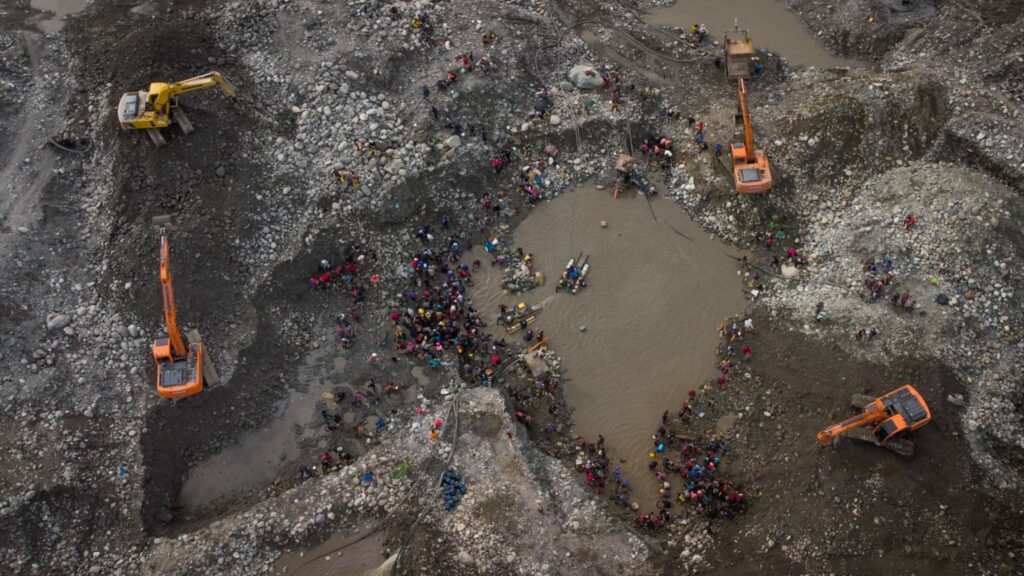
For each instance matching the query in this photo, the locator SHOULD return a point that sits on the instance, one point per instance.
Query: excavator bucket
(162, 222)
(739, 51)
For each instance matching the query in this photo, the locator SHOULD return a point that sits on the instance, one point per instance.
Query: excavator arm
(748, 126)
(167, 290)
(164, 92)
(862, 419)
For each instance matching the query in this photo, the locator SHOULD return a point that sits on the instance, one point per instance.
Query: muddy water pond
(257, 459)
(59, 9)
(294, 435)
(659, 287)
(771, 25)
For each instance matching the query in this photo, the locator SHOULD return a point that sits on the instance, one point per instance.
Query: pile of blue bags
(454, 488)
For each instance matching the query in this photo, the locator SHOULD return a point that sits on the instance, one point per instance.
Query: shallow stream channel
(643, 333)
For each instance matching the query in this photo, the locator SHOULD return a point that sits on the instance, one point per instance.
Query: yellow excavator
(158, 107)
(180, 372)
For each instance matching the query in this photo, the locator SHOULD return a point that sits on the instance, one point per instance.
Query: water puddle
(258, 459)
(658, 291)
(59, 9)
(270, 452)
(295, 433)
(771, 25)
(339, 555)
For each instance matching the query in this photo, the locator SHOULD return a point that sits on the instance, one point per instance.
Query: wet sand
(771, 25)
(339, 555)
(260, 456)
(652, 308)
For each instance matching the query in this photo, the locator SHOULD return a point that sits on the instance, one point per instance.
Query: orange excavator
(179, 370)
(750, 168)
(885, 421)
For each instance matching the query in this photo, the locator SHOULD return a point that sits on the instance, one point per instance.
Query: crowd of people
(435, 323)
(688, 467)
(880, 278)
(657, 149)
(433, 320)
(329, 461)
(346, 274)
(592, 460)
(692, 471)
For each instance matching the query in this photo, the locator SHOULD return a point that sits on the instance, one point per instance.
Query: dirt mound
(843, 126)
(865, 29)
(856, 507)
(532, 504)
(955, 262)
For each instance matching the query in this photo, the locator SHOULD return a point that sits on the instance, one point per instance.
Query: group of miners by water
(688, 465)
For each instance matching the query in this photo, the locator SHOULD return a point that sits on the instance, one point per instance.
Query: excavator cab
(907, 412)
(178, 377)
(751, 175)
(887, 430)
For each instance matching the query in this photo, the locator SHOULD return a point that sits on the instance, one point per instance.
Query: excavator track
(859, 401)
(156, 137)
(902, 446)
(179, 117)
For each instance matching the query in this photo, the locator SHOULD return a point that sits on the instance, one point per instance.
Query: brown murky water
(652, 308)
(59, 9)
(260, 456)
(771, 25)
(277, 450)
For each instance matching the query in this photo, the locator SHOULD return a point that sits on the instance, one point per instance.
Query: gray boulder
(57, 321)
(585, 77)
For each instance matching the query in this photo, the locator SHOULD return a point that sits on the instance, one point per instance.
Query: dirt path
(23, 182)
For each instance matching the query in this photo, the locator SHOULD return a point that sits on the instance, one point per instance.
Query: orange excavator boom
(167, 290)
(750, 169)
(862, 419)
(748, 126)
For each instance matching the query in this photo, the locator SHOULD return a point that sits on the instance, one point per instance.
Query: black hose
(87, 145)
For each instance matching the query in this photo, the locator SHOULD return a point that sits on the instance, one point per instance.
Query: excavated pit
(247, 437)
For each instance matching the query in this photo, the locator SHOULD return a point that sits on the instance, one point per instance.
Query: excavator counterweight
(890, 417)
(157, 107)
